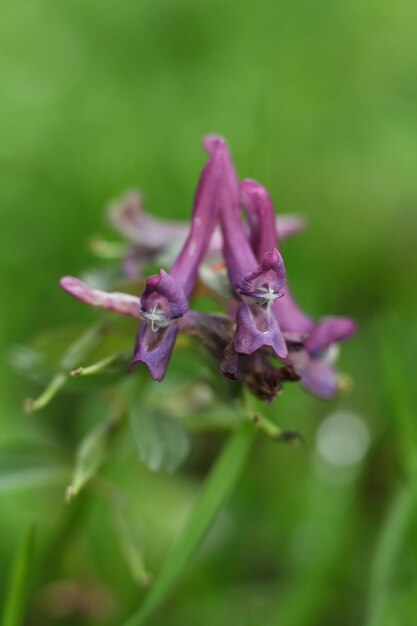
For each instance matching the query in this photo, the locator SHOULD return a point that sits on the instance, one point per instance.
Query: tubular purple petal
(122, 303)
(310, 359)
(205, 213)
(330, 330)
(239, 256)
(136, 225)
(258, 283)
(162, 300)
(289, 225)
(171, 291)
(261, 216)
(166, 296)
(262, 222)
(265, 227)
(256, 327)
(264, 285)
(289, 315)
(317, 375)
(154, 349)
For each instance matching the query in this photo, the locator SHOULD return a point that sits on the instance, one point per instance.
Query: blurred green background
(318, 102)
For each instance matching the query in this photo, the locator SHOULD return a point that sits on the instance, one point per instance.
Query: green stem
(79, 350)
(17, 592)
(217, 487)
(107, 249)
(389, 544)
(97, 368)
(268, 427)
(56, 384)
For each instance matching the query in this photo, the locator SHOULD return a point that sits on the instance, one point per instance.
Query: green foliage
(214, 492)
(30, 465)
(16, 594)
(402, 510)
(130, 548)
(91, 454)
(161, 441)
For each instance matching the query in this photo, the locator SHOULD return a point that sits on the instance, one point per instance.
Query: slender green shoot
(217, 487)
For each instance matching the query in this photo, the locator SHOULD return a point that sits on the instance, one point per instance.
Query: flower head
(166, 296)
(263, 319)
(310, 343)
(258, 282)
(215, 332)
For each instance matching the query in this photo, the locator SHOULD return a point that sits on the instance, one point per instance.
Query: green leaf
(81, 348)
(398, 388)
(17, 591)
(77, 351)
(217, 487)
(162, 441)
(44, 354)
(91, 454)
(68, 357)
(391, 540)
(401, 513)
(27, 465)
(129, 547)
(41, 356)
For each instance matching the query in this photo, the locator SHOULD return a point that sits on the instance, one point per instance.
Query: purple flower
(264, 315)
(213, 330)
(254, 370)
(315, 366)
(156, 240)
(165, 298)
(258, 282)
(311, 344)
(131, 220)
(150, 239)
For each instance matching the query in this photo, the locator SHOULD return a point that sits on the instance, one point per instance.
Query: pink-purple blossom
(264, 338)
(257, 282)
(309, 342)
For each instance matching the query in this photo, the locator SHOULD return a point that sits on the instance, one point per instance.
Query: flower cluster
(264, 339)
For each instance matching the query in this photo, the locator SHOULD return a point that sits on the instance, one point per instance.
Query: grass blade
(402, 510)
(16, 594)
(220, 482)
(130, 549)
(390, 542)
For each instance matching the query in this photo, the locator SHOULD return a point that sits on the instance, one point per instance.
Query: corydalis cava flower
(263, 319)
(258, 283)
(165, 298)
(312, 345)
(214, 331)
